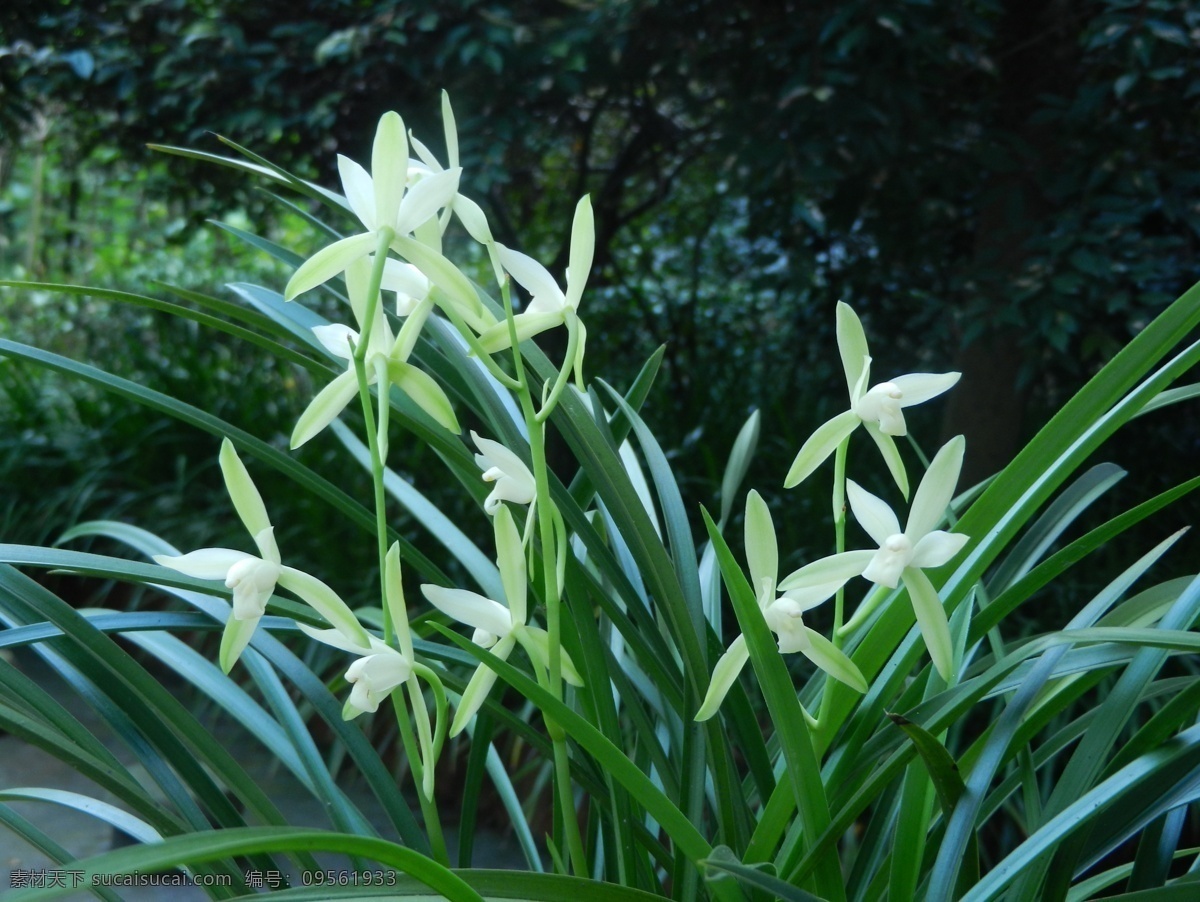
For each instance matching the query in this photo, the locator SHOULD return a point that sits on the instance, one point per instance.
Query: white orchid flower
(393, 196)
(512, 479)
(380, 669)
(497, 627)
(784, 614)
(386, 363)
(878, 408)
(253, 579)
(549, 305)
(904, 554)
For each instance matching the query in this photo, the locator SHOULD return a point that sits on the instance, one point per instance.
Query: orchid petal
(833, 661)
(872, 513)
(393, 592)
(425, 392)
(389, 168)
(531, 275)
(359, 190)
(405, 279)
(891, 456)
(328, 262)
(837, 568)
(917, 388)
(723, 677)
(267, 548)
(471, 215)
(936, 489)
(207, 563)
(446, 276)
(820, 445)
(337, 339)
(234, 639)
(324, 408)
(425, 198)
(322, 599)
(527, 325)
(336, 639)
(476, 692)
(937, 548)
(471, 609)
(852, 344)
(931, 617)
(583, 246)
(246, 500)
(510, 557)
(762, 549)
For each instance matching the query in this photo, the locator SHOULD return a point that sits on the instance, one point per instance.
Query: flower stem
(545, 521)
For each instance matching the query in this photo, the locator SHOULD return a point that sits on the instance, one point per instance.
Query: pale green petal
(762, 549)
(917, 388)
(931, 617)
(510, 557)
(337, 339)
(473, 219)
(832, 569)
(425, 392)
(359, 190)
(246, 500)
(937, 548)
(328, 262)
(322, 410)
(425, 154)
(872, 513)
(820, 445)
(444, 274)
(478, 688)
(497, 338)
(389, 167)
(404, 278)
(471, 609)
(425, 198)
(267, 547)
(325, 602)
(234, 640)
(336, 639)
(891, 456)
(530, 275)
(207, 563)
(833, 661)
(852, 344)
(936, 489)
(724, 674)
(393, 589)
(583, 246)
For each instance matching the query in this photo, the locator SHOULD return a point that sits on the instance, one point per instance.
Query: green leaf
(723, 863)
(947, 782)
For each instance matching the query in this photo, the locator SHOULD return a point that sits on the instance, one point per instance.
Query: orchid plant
(882, 724)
